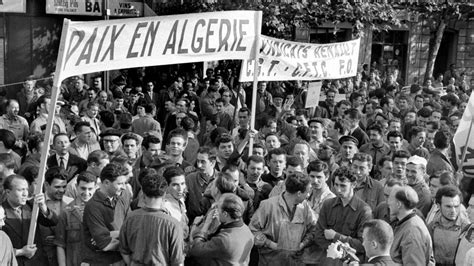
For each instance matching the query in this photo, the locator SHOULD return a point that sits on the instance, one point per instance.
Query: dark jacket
(18, 230)
(207, 201)
(75, 165)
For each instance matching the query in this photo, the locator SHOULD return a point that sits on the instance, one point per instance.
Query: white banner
(464, 137)
(285, 60)
(12, 6)
(125, 8)
(138, 42)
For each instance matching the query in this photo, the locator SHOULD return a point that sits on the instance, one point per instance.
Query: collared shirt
(274, 218)
(377, 153)
(57, 206)
(196, 183)
(15, 124)
(42, 120)
(317, 202)
(177, 209)
(370, 191)
(65, 159)
(347, 221)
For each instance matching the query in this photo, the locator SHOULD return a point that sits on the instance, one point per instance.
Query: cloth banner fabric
(12, 6)
(139, 42)
(281, 60)
(463, 138)
(125, 8)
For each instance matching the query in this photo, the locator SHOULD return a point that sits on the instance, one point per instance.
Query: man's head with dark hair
(35, 142)
(86, 185)
(225, 146)
(442, 140)
(153, 185)
(298, 184)
(177, 141)
(175, 178)
(55, 183)
(114, 178)
(8, 139)
(107, 118)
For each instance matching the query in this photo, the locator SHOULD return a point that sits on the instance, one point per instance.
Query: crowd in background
(156, 170)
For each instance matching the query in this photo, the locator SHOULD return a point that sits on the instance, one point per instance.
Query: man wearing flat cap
(347, 151)
(110, 140)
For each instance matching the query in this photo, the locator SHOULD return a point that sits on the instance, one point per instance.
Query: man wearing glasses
(111, 142)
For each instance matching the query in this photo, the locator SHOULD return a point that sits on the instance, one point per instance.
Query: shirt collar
(406, 218)
(233, 224)
(352, 203)
(65, 157)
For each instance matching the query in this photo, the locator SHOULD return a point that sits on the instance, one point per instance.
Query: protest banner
(94, 46)
(125, 8)
(281, 60)
(464, 140)
(314, 92)
(12, 6)
(139, 42)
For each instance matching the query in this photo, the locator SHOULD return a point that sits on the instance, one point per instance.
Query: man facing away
(412, 242)
(150, 236)
(232, 243)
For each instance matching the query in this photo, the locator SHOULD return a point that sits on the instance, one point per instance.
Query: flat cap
(347, 138)
(111, 132)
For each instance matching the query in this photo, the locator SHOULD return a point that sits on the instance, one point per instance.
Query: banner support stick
(255, 82)
(48, 134)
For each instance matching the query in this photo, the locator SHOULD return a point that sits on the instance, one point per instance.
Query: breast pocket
(74, 233)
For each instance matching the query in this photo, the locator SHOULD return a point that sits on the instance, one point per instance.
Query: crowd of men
(167, 170)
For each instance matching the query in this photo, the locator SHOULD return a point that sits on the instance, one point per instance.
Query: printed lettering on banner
(139, 42)
(285, 60)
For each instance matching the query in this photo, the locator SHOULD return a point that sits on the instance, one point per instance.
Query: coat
(18, 230)
(75, 165)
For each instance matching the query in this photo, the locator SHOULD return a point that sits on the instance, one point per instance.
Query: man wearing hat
(110, 139)
(415, 172)
(347, 151)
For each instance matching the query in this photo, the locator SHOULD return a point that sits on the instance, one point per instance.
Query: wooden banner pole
(49, 127)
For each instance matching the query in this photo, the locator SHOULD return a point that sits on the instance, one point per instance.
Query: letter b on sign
(92, 7)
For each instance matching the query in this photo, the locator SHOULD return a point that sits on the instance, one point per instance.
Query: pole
(49, 127)
(255, 80)
(106, 16)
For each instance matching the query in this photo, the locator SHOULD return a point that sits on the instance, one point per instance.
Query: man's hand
(251, 134)
(272, 245)
(329, 234)
(40, 200)
(288, 103)
(114, 234)
(28, 251)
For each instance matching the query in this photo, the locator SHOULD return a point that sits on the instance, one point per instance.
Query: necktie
(61, 163)
(18, 212)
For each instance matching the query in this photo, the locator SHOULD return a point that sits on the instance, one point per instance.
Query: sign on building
(12, 6)
(285, 60)
(124, 8)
